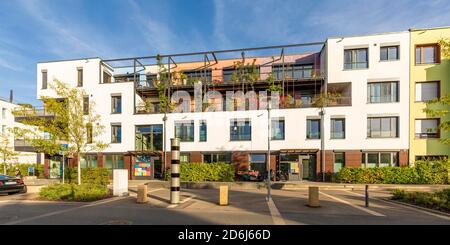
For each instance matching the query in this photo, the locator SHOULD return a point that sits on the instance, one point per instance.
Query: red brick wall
(240, 160)
(47, 166)
(195, 156)
(353, 158)
(403, 158)
(100, 160)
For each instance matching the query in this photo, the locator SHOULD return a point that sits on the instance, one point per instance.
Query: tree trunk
(79, 169)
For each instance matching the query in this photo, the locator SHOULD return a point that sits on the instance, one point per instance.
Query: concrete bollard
(223, 199)
(142, 194)
(313, 197)
(175, 171)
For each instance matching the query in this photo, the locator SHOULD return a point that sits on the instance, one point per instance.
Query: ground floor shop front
(285, 164)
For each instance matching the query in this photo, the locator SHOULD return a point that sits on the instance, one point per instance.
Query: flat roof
(430, 28)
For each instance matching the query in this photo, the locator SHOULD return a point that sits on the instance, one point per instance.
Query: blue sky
(40, 30)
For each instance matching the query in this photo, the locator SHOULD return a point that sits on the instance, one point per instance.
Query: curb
(418, 207)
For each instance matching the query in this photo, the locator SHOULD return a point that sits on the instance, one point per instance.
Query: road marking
(65, 210)
(408, 207)
(353, 205)
(275, 214)
(153, 190)
(181, 202)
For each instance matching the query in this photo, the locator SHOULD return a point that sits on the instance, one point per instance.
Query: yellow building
(430, 78)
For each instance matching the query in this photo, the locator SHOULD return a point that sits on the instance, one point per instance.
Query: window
(217, 157)
(258, 163)
(106, 77)
(88, 161)
(379, 159)
(184, 157)
(427, 128)
(149, 138)
(44, 79)
(89, 133)
(382, 127)
(198, 75)
(184, 131)
(3, 113)
(292, 71)
(313, 128)
(116, 133)
(227, 73)
(150, 80)
(3, 130)
(116, 104)
(80, 77)
(203, 131)
(339, 161)
(426, 91)
(338, 128)
(240, 130)
(427, 54)
(114, 162)
(277, 129)
(356, 59)
(389, 53)
(382, 92)
(86, 105)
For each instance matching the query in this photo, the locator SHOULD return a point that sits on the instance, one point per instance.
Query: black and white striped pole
(175, 171)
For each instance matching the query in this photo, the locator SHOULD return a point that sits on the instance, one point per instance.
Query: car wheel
(25, 189)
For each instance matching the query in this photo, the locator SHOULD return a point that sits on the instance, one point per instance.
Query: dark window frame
(116, 135)
(240, 135)
(332, 128)
(185, 136)
(203, 126)
(369, 90)
(114, 99)
(44, 74)
(308, 129)
(370, 134)
(425, 135)
(387, 54)
(437, 53)
(151, 132)
(353, 64)
(86, 105)
(272, 137)
(80, 75)
(438, 89)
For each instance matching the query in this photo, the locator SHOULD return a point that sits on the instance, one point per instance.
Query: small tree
(439, 107)
(7, 152)
(70, 123)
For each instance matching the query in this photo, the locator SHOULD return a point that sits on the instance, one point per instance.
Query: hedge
(437, 172)
(74, 192)
(23, 167)
(216, 172)
(93, 176)
(435, 200)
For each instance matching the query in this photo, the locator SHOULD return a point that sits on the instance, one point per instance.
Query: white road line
(276, 216)
(153, 190)
(64, 211)
(353, 205)
(408, 207)
(182, 201)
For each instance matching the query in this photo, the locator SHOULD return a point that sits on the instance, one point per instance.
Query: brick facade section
(403, 158)
(195, 156)
(353, 158)
(240, 160)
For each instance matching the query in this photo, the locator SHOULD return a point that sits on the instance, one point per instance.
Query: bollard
(367, 196)
(142, 194)
(175, 171)
(313, 197)
(223, 199)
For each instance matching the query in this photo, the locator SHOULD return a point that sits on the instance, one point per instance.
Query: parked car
(9, 184)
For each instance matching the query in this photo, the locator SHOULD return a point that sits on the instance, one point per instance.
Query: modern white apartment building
(366, 124)
(7, 123)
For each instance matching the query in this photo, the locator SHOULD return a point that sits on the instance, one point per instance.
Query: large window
(426, 91)
(356, 59)
(44, 79)
(258, 163)
(116, 104)
(277, 129)
(313, 128)
(292, 71)
(339, 161)
(382, 127)
(203, 131)
(228, 73)
(379, 159)
(149, 137)
(337, 128)
(224, 157)
(427, 128)
(389, 53)
(427, 54)
(116, 133)
(240, 130)
(88, 161)
(382, 92)
(80, 77)
(184, 131)
(113, 161)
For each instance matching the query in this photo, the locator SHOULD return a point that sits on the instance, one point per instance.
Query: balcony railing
(23, 145)
(22, 113)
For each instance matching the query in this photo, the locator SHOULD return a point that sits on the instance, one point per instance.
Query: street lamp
(164, 145)
(269, 107)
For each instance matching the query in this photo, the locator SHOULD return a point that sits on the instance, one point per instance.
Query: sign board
(120, 182)
(31, 170)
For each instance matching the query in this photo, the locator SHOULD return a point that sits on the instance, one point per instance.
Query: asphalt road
(200, 207)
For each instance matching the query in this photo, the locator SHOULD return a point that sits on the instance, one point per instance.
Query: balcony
(27, 112)
(23, 146)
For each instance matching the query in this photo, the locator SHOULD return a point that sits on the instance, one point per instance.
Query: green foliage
(89, 176)
(272, 87)
(435, 200)
(437, 172)
(23, 167)
(216, 172)
(73, 192)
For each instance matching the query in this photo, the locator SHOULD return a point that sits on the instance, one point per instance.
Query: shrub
(206, 172)
(436, 200)
(93, 176)
(422, 173)
(23, 167)
(73, 192)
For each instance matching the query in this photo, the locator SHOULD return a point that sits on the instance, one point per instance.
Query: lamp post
(322, 142)
(164, 145)
(269, 107)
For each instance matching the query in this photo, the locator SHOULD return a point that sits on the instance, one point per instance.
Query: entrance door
(305, 168)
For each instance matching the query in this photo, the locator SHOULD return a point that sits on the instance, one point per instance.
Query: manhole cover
(118, 222)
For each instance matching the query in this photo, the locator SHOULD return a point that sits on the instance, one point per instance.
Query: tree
(7, 152)
(72, 121)
(439, 107)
